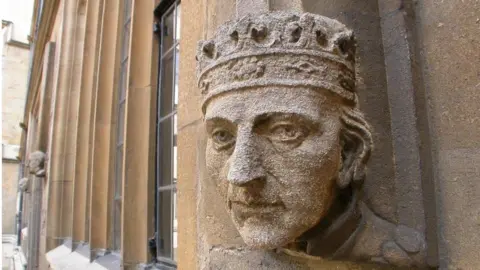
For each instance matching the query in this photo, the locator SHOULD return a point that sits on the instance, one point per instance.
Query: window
(119, 149)
(168, 15)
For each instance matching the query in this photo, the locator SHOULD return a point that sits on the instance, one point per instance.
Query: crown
(278, 49)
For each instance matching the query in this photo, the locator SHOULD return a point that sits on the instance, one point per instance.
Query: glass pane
(166, 90)
(117, 224)
(123, 80)
(174, 161)
(165, 224)
(177, 70)
(121, 122)
(168, 30)
(175, 231)
(175, 125)
(126, 41)
(177, 23)
(127, 9)
(175, 164)
(118, 172)
(165, 149)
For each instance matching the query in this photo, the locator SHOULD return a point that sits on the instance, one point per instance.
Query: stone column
(36, 164)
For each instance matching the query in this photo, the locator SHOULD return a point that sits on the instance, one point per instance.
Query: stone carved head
(23, 184)
(287, 145)
(36, 163)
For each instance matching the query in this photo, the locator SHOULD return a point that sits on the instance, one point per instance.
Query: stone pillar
(138, 181)
(104, 96)
(36, 168)
(59, 188)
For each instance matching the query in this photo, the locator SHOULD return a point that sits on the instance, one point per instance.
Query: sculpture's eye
(222, 139)
(287, 132)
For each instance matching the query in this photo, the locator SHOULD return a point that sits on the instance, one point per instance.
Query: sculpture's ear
(356, 143)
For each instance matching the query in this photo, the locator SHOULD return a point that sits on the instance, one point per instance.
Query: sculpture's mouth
(253, 208)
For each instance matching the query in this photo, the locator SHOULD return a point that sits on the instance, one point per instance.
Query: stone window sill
(62, 257)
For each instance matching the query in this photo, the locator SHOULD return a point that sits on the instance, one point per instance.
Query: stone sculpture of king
(287, 143)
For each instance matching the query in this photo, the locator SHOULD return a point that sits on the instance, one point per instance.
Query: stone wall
(14, 85)
(448, 34)
(9, 196)
(418, 86)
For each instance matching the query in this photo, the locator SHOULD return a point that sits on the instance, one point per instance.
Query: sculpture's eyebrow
(276, 116)
(215, 120)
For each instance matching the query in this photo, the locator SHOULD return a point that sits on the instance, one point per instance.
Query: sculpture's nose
(245, 162)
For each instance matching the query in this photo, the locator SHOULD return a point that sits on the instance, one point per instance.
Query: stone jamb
(42, 142)
(74, 84)
(101, 138)
(90, 53)
(57, 153)
(53, 189)
(189, 115)
(412, 147)
(138, 180)
(41, 29)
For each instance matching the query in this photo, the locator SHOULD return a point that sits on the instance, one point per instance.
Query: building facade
(94, 67)
(116, 108)
(15, 60)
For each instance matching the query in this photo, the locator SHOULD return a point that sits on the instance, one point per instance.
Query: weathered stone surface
(9, 196)
(232, 258)
(409, 239)
(287, 144)
(449, 36)
(14, 84)
(15, 61)
(395, 255)
(36, 163)
(362, 17)
(23, 184)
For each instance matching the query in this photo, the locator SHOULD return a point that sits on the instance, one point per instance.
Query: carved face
(35, 162)
(34, 165)
(274, 153)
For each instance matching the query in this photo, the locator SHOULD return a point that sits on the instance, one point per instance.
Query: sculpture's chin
(270, 231)
(265, 237)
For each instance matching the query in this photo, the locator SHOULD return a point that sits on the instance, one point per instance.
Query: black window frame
(166, 117)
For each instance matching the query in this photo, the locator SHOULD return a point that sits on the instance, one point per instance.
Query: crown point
(346, 44)
(259, 33)
(209, 49)
(294, 32)
(321, 37)
(234, 35)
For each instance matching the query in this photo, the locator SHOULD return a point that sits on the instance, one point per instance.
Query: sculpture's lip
(255, 206)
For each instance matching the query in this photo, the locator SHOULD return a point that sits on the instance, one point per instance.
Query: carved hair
(357, 144)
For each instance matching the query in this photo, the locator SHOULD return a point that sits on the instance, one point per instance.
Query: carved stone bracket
(287, 143)
(23, 184)
(36, 163)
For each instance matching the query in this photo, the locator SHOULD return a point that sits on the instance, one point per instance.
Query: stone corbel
(23, 185)
(36, 163)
